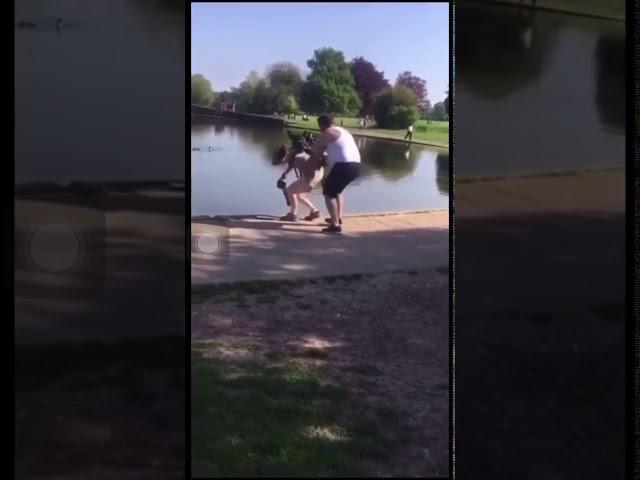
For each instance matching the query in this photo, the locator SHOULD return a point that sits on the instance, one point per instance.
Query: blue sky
(229, 40)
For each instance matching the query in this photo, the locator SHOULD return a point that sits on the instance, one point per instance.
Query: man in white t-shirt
(343, 160)
(409, 134)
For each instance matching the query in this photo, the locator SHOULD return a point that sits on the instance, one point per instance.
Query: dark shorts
(341, 175)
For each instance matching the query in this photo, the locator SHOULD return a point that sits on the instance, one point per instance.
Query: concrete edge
(542, 175)
(355, 215)
(560, 9)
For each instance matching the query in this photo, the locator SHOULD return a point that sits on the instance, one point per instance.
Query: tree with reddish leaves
(417, 84)
(368, 82)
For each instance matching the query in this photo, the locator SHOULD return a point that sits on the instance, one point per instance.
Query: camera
(282, 185)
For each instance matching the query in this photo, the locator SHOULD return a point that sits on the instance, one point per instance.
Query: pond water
(238, 178)
(88, 97)
(566, 72)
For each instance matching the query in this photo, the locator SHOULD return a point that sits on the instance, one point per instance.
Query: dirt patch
(385, 337)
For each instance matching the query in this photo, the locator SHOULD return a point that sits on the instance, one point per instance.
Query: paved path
(261, 247)
(600, 192)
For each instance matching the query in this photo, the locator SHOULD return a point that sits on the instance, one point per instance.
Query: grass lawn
(285, 383)
(436, 133)
(277, 419)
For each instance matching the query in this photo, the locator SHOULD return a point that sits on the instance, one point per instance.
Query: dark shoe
(332, 229)
(328, 220)
(289, 217)
(313, 215)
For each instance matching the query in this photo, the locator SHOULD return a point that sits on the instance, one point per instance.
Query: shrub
(402, 117)
(395, 108)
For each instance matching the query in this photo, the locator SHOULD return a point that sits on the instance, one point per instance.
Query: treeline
(332, 86)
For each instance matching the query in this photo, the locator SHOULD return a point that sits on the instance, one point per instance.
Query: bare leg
(303, 198)
(293, 200)
(340, 202)
(333, 211)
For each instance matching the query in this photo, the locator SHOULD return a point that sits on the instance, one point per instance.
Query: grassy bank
(277, 419)
(286, 383)
(435, 133)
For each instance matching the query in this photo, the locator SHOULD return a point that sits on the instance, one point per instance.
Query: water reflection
(391, 160)
(218, 127)
(442, 176)
(566, 73)
(512, 54)
(84, 93)
(610, 71)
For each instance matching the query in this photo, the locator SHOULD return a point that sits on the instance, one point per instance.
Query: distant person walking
(343, 160)
(409, 134)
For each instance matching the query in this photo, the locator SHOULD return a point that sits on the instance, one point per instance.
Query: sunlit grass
(284, 419)
(435, 131)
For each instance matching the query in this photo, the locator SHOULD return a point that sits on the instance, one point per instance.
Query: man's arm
(321, 145)
(318, 148)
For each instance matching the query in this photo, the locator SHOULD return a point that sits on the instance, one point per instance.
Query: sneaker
(332, 229)
(289, 217)
(313, 215)
(328, 220)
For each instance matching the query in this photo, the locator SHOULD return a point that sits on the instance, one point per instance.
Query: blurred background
(539, 182)
(99, 230)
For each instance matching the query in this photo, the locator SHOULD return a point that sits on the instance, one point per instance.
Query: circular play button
(208, 243)
(54, 248)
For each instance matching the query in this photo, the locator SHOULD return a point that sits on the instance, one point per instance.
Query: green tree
(244, 94)
(330, 85)
(426, 110)
(439, 112)
(261, 100)
(281, 101)
(285, 76)
(201, 90)
(395, 108)
(225, 97)
(285, 81)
